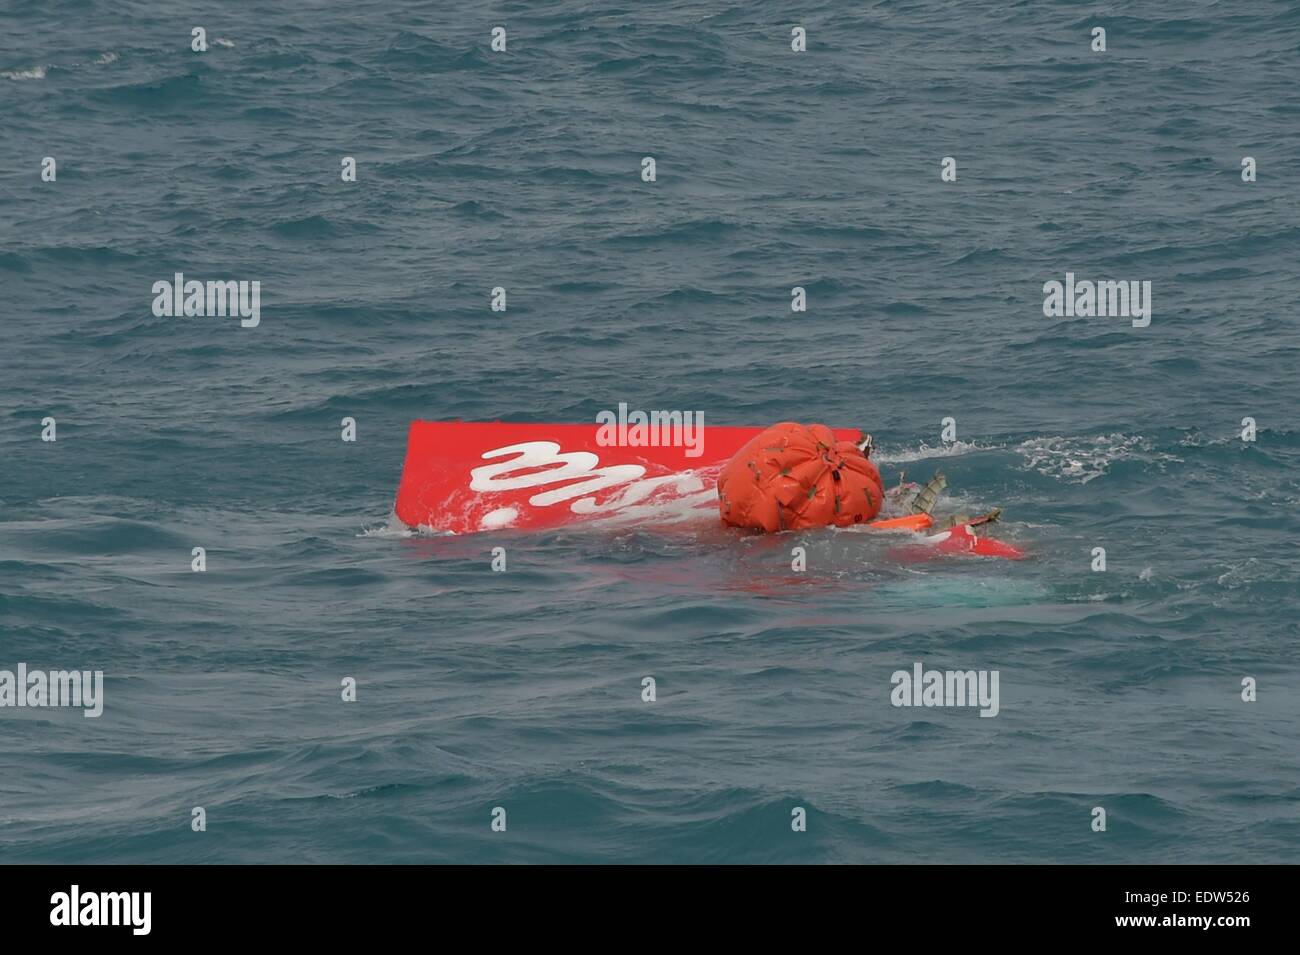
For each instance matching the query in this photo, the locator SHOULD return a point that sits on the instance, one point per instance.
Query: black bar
(949, 904)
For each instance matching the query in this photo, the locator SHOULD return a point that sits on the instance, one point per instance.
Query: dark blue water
(1119, 689)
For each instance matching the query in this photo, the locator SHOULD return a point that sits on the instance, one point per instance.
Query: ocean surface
(522, 690)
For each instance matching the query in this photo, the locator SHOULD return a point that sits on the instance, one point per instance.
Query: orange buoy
(794, 476)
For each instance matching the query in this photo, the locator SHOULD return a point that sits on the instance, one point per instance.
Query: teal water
(523, 690)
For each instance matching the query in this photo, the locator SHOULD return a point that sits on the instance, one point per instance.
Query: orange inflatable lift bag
(794, 476)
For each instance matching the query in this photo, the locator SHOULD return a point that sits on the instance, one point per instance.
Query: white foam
(1079, 460)
(501, 517)
(395, 527)
(925, 451)
(35, 73)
